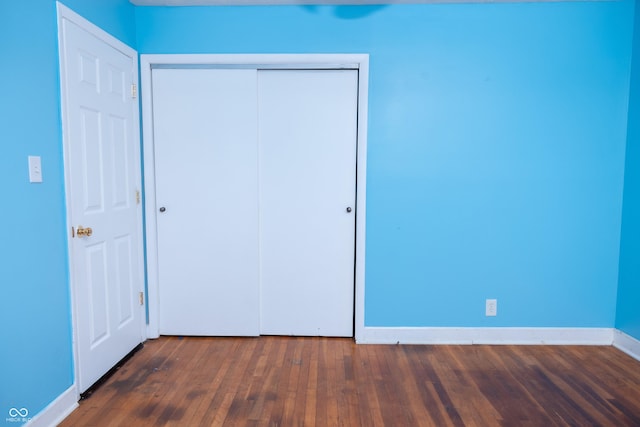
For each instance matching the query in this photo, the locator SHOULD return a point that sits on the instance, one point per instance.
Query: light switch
(35, 169)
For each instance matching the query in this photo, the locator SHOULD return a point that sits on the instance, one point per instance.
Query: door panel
(98, 293)
(90, 139)
(124, 282)
(102, 166)
(205, 125)
(120, 156)
(307, 133)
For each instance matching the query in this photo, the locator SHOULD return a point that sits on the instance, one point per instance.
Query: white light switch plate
(491, 307)
(35, 169)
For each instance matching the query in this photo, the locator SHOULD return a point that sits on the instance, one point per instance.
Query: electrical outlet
(491, 307)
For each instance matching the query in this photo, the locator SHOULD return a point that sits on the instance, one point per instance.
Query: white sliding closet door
(307, 155)
(255, 190)
(205, 127)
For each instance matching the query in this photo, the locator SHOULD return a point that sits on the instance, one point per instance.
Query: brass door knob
(84, 232)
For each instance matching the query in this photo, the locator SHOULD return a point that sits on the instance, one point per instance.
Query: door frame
(66, 14)
(148, 62)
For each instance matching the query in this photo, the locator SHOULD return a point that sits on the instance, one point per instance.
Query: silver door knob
(162, 209)
(349, 209)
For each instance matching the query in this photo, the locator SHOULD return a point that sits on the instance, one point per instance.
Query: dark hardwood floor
(287, 381)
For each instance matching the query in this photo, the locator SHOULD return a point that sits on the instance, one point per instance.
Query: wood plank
(296, 381)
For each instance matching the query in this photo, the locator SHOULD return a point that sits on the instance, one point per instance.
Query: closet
(255, 188)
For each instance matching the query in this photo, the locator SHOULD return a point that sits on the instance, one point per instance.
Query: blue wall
(628, 314)
(117, 17)
(36, 361)
(496, 156)
(496, 147)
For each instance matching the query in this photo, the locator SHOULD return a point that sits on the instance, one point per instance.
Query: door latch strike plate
(141, 298)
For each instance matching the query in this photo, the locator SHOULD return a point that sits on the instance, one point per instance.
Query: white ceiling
(258, 2)
(308, 2)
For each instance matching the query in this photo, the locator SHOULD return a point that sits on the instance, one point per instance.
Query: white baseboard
(152, 333)
(627, 344)
(57, 410)
(518, 336)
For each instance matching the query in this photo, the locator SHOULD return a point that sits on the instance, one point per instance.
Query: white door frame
(260, 61)
(64, 13)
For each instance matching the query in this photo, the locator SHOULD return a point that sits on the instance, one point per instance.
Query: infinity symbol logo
(22, 412)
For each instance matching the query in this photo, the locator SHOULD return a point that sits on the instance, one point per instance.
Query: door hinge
(134, 90)
(138, 197)
(141, 295)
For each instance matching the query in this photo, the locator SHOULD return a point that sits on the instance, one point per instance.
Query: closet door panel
(205, 127)
(307, 156)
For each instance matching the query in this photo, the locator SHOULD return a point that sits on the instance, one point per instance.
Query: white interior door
(103, 175)
(205, 125)
(307, 155)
